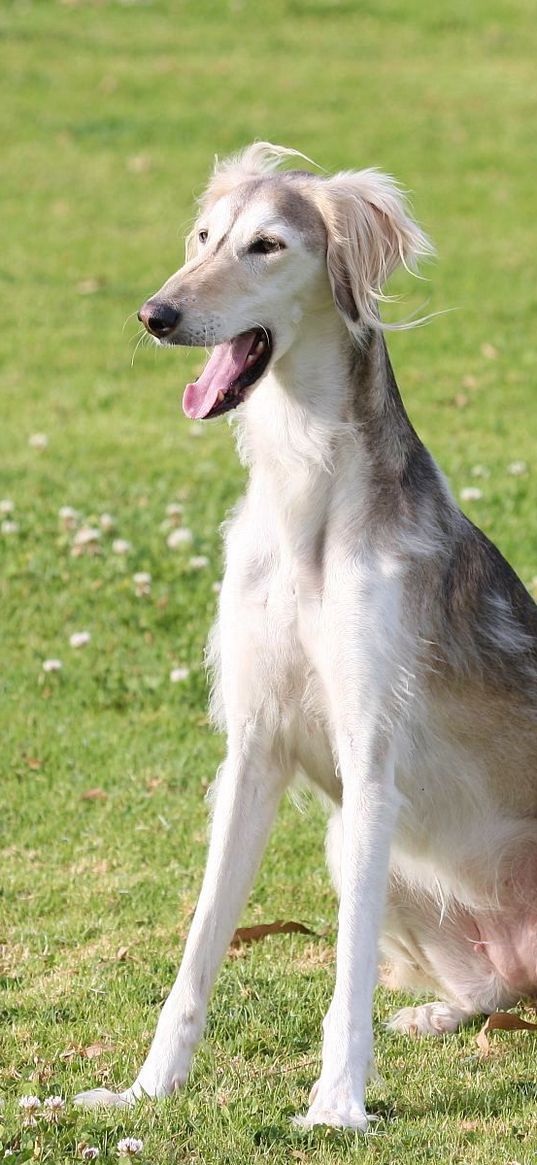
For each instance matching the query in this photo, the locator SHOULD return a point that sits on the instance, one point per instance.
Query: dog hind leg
(440, 951)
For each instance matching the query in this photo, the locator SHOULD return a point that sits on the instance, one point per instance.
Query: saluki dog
(369, 636)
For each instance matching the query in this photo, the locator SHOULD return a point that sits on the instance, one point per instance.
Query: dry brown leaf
(94, 795)
(505, 1021)
(95, 1050)
(33, 762)
(253, 934)
(121, 954)
(90, 1053)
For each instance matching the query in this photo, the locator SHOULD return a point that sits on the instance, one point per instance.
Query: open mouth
(231, 370)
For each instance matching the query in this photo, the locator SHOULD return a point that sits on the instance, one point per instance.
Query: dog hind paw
(428, 1019)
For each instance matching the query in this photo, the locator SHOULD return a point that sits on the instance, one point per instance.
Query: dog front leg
(368, 815)
(248, 791)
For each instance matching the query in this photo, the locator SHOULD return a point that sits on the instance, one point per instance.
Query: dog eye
(203, 236)
(265, 246)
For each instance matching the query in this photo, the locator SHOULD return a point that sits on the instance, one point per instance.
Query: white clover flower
(142, 583)
(90, 1153)
(121, 546)
(6, 506)
(517, 468)
(471, 494)
(86, 541)
(107, 523)
(174, 512)
(38, 441)
(9, 527)
(480, 471)
(68, 517)
(178, 674)
(198, 562)
(79, 638)
(52, 665)
(129, 1147)
(179, 537)
(8, 1153)
(53, 1107)
(29, 1106)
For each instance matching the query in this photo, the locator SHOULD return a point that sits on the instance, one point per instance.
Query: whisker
(140, 341)
(133, 313)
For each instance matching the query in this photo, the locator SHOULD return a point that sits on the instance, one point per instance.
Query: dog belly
(508, 935)
(509, 941)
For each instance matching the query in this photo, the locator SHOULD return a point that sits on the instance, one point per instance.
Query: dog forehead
(269, 203)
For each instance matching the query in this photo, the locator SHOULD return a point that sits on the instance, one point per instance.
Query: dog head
(268, 248)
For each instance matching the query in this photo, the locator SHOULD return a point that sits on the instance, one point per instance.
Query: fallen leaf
(505, 1021)
(90, 1053)
(253, 934)
(94, 795)
(460, 400)
(33, 762)
(95, 1050)
(121, 954)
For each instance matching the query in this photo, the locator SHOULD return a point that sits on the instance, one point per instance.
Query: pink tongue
(223, 367)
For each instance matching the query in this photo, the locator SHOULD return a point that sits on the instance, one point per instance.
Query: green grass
(110, 116)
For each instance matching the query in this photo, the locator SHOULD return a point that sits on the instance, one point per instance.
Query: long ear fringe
(370, 232)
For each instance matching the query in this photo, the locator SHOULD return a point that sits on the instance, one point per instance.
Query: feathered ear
(369, 232)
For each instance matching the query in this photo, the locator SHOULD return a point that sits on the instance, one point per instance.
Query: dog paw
(103, 1098)
(429, 1019)
(333, 1107)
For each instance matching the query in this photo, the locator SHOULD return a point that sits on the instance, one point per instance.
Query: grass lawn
(110, 115)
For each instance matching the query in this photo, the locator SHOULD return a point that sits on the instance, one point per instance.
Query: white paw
(103, 1098)
(429, 1019)
(335, 1108)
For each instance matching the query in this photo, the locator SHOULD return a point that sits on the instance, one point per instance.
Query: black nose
(158, 317)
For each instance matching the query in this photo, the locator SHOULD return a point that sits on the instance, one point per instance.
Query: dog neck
(327, 432)
(330, 390)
